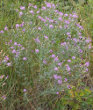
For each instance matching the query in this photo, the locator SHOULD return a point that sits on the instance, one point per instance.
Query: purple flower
(17, 26)
(37, 40)
(8, 64)
(20, 13)
(59, 64)
(38, 11)
(39, 28)
(4, 97)
(45, 37)
(31, 11)
(35, 7)
(73, 57)
(53, 55)
(60, 13)
(87, 64)
(1, 31)
(65, 80)
(43, 8)
(59, 81)
(37, 50)
(44, 61)
(68, 68)
(6, 28)
(60, 19)
(56, 59)
(22, 7)
(57, 92)
(50, 50)
(15, 43)
(55, 76)
(24, 90)
(24, 58)
(13, 51)
(51, 26)
(56, 69)
(69, 60)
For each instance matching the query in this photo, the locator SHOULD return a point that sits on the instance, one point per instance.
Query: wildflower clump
(48, 53)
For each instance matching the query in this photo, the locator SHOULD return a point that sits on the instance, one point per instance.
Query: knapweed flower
(87, 64)
(56, 69)
(60, 63)
(44, 61)
(55, 76)
(59, 81)
(37, 50)
(39, 28)
(1, 31)
(43, 8)
(51, 26)
(53, 55)
(60, 19)
(22, 7)
(20, 13)
(31, 11)
(24, 90)
(57, 92)
(13, 51)
(56, 59)
(4, 97)
(6, 28)
(17, 26)
(73, 57)
(65, 80)
(9, 64)
(37, 40)
(68, 60)
(2, 76)
(24, 58)
(45, 37)
(67, 67)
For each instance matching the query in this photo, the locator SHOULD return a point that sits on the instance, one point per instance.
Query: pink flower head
(73, 57)
(56, 59)
(59, 64)
(1, 31)
(87, 64)
(24, 58)
(20, 13)
(44, 61)
(59, 81)
(43, 8)
(8, 64)
(37, 50)
(22, 7)
(6, 28)
(69, 60)
(56, 69)
(39, 28)
(68, 68)
(60, 19)
(51, 26)
(65, 80)
(24, 90)
(37, 40)
(55, 76)
(45, 37)
(57, 92)
(17, 26)
(53, 55)
(31, 11)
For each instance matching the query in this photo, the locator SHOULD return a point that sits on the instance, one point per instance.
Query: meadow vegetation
(46, 55)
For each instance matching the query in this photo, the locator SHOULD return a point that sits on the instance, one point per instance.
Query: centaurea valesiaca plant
(48, 53)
